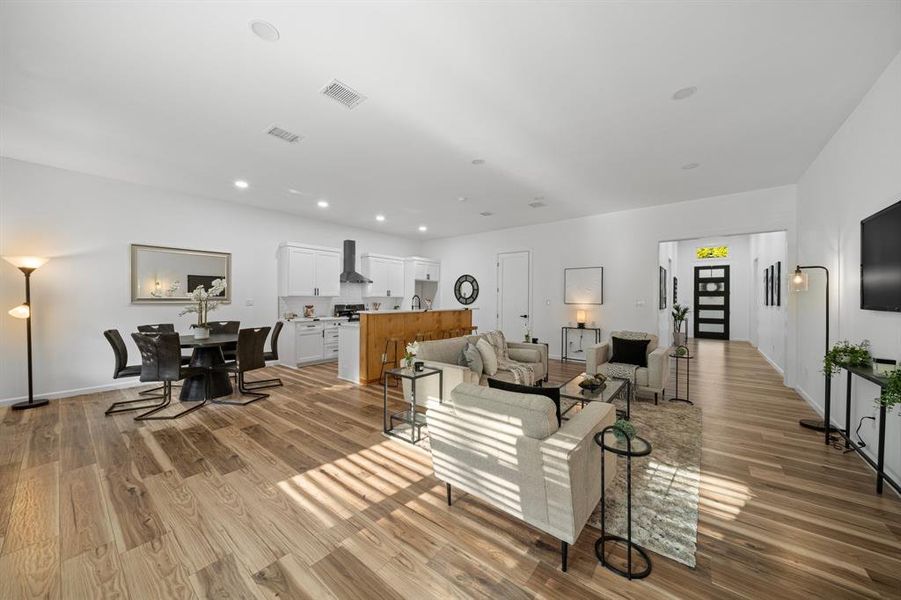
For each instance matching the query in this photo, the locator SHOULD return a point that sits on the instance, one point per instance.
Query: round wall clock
(466, 289)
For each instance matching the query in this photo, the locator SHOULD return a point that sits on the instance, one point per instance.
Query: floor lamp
(799, 283)
(26, 264)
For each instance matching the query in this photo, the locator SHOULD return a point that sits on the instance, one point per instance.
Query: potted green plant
(891, 392)
(680, 313)
(623, 430)
(846, 354)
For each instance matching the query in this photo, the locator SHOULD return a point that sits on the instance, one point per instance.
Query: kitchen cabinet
(386, 273)
(315, 341)
(426, 270)
(308, 270)
(309, 344)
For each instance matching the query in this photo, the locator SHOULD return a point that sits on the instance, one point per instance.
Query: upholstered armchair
(507, 449)
(650, 381)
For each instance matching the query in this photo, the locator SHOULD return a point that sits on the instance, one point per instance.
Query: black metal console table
(871, 376)
(564, 337)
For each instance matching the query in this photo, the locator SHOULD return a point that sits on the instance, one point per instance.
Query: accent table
(629, 448)
(687, 357)
(611, 390)
(564, 337)
(412, 418)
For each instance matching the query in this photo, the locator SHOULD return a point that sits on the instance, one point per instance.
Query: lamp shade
(580, 316)
(799, 281)
(23, 311)
(26, 262)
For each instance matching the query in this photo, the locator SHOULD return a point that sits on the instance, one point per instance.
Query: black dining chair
(269, 356)
(157, 328)
(122, 370)
(161, 361)
(249, 357)
(226, 327)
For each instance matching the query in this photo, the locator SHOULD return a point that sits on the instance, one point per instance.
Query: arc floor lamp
(26, 264)
(799, 283)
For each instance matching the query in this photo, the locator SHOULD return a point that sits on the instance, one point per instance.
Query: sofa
(507, 449)
(650, 381)
(445, 355)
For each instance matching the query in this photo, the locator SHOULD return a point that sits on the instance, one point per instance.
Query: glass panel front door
(711, 287)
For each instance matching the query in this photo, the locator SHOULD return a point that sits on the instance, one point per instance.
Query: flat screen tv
(880, 260)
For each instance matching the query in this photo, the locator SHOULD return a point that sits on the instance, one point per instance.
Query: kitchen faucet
(416, 303)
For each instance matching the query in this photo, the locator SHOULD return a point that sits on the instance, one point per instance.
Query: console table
(564, 337)
(871, 376)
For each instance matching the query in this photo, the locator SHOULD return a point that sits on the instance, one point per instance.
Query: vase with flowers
(410, 353)
(202, 302)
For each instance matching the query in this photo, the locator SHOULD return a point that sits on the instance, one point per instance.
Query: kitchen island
(377, 327)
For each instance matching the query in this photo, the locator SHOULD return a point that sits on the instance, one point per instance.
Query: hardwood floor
(300, 496)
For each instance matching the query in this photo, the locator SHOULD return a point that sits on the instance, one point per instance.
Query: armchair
(650, 380)
(506, 449)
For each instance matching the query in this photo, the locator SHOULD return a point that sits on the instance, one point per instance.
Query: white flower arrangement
(412, 350)
(203, 303)
(170, 291)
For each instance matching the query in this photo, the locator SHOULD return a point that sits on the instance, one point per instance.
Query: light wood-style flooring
(300, 496)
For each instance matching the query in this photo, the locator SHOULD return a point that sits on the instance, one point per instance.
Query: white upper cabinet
(386, 273)
(426, 270)
(308, 270)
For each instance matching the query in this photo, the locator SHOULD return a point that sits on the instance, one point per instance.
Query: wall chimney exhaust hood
(349, 274)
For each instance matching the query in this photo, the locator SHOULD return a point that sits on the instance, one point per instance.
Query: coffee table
(612, 389)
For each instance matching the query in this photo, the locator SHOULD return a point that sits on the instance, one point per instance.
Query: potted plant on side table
(680, 313)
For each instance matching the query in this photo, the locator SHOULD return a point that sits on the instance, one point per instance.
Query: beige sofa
(444, 355)
(507, 449)
(650, 381)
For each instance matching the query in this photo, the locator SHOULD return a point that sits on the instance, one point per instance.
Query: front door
(514, 293)
(712, 302)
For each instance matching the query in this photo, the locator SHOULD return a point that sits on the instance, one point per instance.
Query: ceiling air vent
(283, 134)
(537, 204)
(486, 213)
(341, 93)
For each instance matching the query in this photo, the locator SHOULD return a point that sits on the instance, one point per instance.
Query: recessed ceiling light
(241, 184)
(486, 213)
(380, 218)
(684, 93)
(322, 204)
(690, 166)
(264, 31)
(293, 191)
(478, 161)
(462, 199)
(423, 228)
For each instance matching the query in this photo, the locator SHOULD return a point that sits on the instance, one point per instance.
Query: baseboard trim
(78, 391)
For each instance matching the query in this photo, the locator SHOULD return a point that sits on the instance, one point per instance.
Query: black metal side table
(687, 357)
(412, 418)
(629, 448)
(564, 337)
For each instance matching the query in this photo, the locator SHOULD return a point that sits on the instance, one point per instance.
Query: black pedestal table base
(194, 388)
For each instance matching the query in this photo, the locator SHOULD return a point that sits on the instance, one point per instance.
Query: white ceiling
(567, 101)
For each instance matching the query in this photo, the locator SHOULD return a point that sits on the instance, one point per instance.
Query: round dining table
(207, 354)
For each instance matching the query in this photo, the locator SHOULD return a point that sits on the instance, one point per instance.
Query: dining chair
(161, 361)
(226, 327)
(123, 369)
(249, 357)
(157, 328)
(269, 356)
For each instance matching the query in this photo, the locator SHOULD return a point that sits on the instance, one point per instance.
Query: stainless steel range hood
(349, 274)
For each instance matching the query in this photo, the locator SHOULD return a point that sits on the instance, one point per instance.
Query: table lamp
(26, 264)
(580, 319)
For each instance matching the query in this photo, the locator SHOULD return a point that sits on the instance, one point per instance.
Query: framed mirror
(160, 274)
(466, 289)
(583, 285)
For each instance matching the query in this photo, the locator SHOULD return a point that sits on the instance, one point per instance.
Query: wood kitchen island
(377, 327)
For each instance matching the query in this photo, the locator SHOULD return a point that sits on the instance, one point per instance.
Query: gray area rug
(664, 484)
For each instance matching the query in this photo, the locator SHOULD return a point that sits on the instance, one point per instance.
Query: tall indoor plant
(202, 302)
(680, 313)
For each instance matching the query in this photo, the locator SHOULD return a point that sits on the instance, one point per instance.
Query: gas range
(351, 311)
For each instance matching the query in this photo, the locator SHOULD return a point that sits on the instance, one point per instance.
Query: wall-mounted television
(880, 260)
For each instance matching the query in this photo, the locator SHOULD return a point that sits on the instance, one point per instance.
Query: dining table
(207, 354)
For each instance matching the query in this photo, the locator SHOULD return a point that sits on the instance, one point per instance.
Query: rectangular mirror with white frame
(583, 285)
(160, 274)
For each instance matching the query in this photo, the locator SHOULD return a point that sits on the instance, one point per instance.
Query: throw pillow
(489, 357)
(551, 392)
(472, 358)
(630, 352)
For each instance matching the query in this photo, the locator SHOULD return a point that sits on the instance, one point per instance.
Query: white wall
(768, 323)
(739, 279)
(624, 243)
(85, 224)
(856, 174)
(668, 258)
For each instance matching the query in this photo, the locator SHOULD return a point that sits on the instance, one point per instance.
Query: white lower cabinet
(314, 342)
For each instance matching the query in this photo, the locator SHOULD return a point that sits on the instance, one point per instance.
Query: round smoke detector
(264, 31)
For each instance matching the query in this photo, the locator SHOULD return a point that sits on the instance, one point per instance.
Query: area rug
(664, 484)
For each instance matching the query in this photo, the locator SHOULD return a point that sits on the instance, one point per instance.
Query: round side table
(687, 357)
(629, 448)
